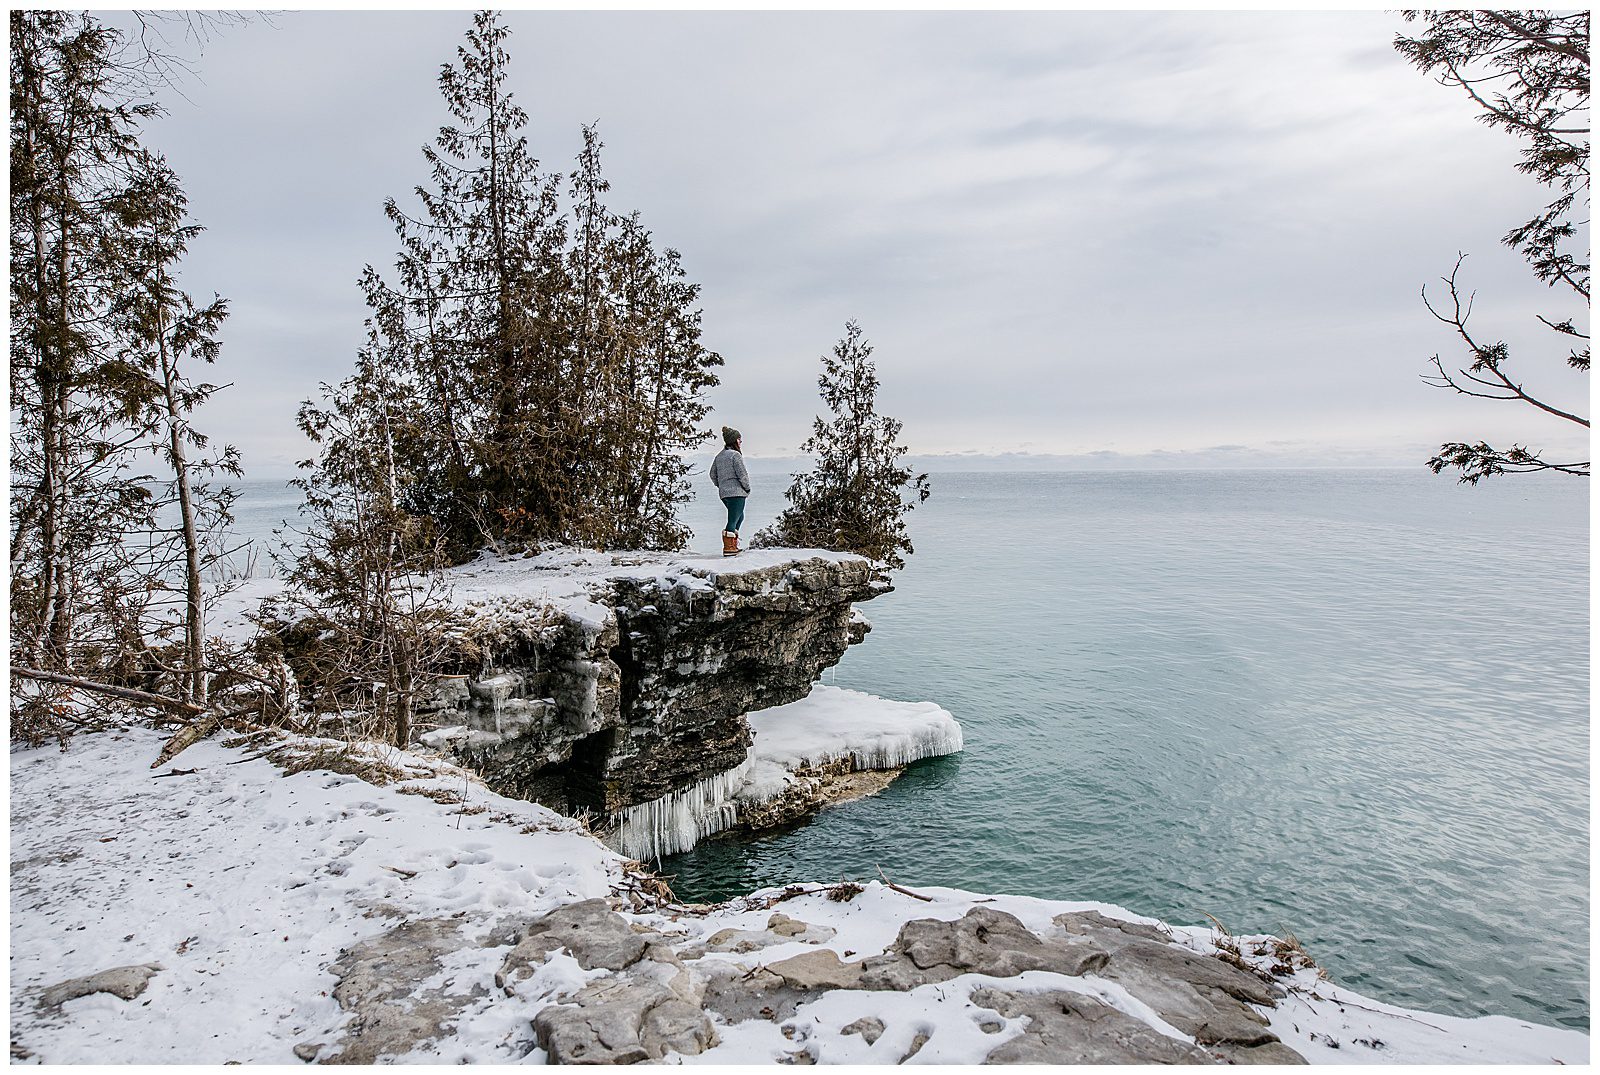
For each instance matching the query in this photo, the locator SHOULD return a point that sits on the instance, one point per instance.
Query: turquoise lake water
(1351, 705)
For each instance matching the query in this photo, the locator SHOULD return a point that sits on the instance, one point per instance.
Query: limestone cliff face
(629, 680)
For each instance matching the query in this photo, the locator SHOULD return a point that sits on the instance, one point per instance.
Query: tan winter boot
(730, 543)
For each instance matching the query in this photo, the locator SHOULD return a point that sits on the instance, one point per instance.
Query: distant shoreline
(783, 465)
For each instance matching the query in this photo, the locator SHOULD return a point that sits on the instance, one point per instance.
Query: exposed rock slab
(648, 1008)
(780, 929)
(737, 995)
(380, 983)
(1271, 1052)
(1091, 923)
(1199, 995)
(125, 982)
(870, 1028)
(821, 969)
(595, 935)
(984, 941)
(1072, 1028)
(623, 1021)
(659, 995)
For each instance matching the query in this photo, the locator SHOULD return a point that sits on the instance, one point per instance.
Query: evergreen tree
(73, 144)
(369, 566)
(1527, 72)
(549, 359)
(676, 370)
(469, 325)
(659, 372)
(167, 331)
(591, 329)
(100, 338)
(854, 499)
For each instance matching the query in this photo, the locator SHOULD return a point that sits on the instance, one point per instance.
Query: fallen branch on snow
(127, 694)
(902, 891)
(196, 730)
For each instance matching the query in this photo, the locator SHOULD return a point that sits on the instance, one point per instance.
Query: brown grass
(1289, 956)
(443, 796)
(346, 760)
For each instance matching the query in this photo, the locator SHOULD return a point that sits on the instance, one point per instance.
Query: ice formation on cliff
(828, 724)
(680, 819)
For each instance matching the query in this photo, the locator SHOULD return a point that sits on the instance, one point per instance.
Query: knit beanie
(730, 436)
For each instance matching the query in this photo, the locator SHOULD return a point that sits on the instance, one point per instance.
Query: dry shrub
(1287, 953)
(443, 796)
(347, 760)
(43, 713)
(1291, 956)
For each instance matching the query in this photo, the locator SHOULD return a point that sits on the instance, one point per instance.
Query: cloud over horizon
(1065, 232)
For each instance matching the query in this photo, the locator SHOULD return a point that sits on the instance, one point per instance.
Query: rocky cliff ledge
(619, 685)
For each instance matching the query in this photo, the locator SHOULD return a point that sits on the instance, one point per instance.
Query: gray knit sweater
(727, 471)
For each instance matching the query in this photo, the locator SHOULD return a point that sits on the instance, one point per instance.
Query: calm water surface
(1348, 704)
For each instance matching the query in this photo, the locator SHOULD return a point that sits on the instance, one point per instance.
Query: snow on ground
(1337, 1026)
(564, 578)
(828, 724)
(229, 608)
(244, 884)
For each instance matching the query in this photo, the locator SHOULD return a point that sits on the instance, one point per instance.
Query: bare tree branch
(1485, 358)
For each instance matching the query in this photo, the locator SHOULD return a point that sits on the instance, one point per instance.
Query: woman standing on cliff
(733, 485)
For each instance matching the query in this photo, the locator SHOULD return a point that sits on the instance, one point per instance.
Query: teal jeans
(735, 512)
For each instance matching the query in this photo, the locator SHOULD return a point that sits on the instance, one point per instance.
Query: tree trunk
(57, 623)
(194, 687)
(403, 698)
(127, 694)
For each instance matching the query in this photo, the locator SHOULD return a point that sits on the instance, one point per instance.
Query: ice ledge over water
(830, 724)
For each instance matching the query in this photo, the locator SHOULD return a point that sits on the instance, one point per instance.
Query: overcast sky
(1169, 236)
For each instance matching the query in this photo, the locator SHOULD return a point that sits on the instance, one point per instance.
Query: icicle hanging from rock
(679, 820)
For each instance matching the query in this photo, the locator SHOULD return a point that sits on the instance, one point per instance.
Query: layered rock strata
(599, 683)
(624, 686)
